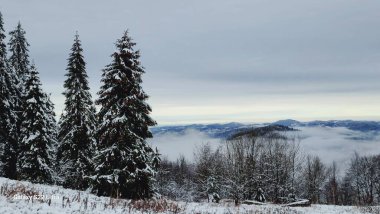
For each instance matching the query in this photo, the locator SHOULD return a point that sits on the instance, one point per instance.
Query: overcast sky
(220, 61)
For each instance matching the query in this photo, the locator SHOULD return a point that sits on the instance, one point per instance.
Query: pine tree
(19, 59)
(77, 123)
(124, 164)
(8, 113)
(35, 160)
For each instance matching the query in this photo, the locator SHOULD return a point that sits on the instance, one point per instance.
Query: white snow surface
(57, 199)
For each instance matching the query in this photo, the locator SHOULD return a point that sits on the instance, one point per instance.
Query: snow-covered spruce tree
(124, 164)
(18, 64)
(19, 59)
(35, 158)
(8, 113)
(77, 123)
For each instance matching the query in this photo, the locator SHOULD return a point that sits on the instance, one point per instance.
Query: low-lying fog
(329, 144)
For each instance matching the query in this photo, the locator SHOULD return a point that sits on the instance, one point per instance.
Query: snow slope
(24, 197)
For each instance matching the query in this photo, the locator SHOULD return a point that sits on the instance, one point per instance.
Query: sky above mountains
(218, 61)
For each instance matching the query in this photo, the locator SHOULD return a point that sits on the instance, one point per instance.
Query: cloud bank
(330, 144)
(338, 144)
(172, 145)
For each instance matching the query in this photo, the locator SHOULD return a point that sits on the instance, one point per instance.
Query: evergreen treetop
(19, 59)
(121, 92)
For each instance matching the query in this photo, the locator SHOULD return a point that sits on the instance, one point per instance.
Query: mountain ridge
(224, 130)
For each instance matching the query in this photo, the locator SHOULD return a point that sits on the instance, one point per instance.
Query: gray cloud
(211, 52)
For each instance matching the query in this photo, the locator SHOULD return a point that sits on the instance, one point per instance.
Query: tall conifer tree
(124, 160)
(8, 112)
(35, 158)
(19, 67)
(19, 59)
(77, 123)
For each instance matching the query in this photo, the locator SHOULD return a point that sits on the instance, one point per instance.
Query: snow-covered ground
(24, 197)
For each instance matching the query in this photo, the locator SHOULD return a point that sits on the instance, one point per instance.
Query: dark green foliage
(19, 59)
(77, 123)
(17, 70)
(37, 135)
(124, 160)
(8, 113)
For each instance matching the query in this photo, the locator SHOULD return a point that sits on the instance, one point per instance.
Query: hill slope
(24, 197)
